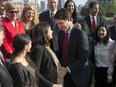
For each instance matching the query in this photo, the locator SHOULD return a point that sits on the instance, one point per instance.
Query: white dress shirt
(104, 56)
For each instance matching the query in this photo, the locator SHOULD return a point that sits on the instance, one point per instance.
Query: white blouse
(104, 56)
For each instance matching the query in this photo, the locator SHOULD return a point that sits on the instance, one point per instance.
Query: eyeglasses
(12, 12)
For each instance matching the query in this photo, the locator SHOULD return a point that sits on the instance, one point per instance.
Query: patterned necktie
(52, 20)
(94, 24)
(65, 50)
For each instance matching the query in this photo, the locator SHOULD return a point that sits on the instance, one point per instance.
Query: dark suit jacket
(45, 17)
(5, 78)
(77, 56)
(112, 30)
(47, 68)
(88, 26)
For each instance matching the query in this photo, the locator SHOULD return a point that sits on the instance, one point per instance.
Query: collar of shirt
(1, 62)
(91, 18)
(69, 31)
(52, 12)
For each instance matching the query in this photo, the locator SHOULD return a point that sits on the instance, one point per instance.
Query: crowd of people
(56, 48)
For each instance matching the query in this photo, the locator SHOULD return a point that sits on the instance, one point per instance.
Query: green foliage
(106, 10)
(84, 11)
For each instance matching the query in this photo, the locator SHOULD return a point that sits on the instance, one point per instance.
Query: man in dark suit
(48, 16)
(94, 9)
(91, 22)
(5, 78)
(112, 30)
(74, 60)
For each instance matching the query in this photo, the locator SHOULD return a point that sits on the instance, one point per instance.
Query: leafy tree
(106, 10)
(84, 11)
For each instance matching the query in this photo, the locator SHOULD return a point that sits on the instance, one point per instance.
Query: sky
(77, 2)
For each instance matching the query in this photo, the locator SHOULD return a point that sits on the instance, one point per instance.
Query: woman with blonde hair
(12, 27)
(29, 18)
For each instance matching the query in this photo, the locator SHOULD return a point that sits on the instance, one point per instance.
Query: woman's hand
(56, 85)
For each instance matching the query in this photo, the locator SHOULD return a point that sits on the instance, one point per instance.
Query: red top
(9, 33)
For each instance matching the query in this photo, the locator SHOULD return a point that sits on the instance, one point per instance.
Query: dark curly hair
(106, 38)
(40, 34)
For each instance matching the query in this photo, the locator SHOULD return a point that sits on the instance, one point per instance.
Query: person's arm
(111, 63)
(5, 46)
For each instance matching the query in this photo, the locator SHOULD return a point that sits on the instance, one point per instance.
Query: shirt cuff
(109, 77)
(68, 69)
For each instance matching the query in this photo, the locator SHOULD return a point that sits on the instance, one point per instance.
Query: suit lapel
(49, 54)
(4, 68)
(98, 21)
(88, 21)
(48, 16)
(114, 29)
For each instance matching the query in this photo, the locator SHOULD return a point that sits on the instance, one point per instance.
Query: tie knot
(52, 14)
(93, 17)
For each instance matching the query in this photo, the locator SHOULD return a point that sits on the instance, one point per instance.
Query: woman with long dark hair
(71, 7)
(44, 57)
(104, 57)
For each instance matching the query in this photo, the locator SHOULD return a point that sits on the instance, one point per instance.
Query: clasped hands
(62, 72)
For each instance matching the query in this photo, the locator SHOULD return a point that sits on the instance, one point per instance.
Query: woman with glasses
(12, 27)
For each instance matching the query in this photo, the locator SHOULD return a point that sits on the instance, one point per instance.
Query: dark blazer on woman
(47, 68)
(5, 78)
(77, 55)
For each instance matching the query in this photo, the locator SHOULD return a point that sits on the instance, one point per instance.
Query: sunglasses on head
(13, 12)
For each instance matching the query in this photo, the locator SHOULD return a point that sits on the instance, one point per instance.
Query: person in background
(12, 27)
(79, 23)
(91, 22)
(5, 78)
(44, 58)
(2, 9)
(73, 51)
(112, 30)
(104, 57)
(71, 7)
(93, 15)
(29, 18)
(22, 69)
(48, 16)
